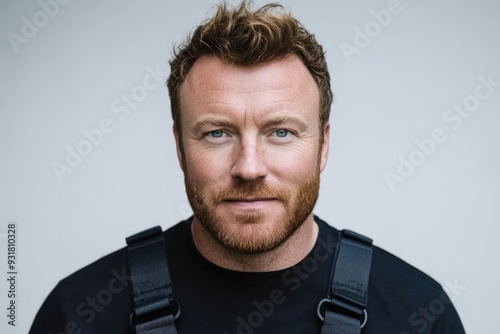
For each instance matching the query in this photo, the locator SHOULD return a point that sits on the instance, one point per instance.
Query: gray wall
(405, 167)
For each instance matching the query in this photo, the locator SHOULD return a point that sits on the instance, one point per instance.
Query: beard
(249, 232)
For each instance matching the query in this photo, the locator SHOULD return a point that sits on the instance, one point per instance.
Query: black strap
(345, 307)
(155, 308)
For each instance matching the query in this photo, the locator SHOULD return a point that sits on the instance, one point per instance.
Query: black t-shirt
(97, 299)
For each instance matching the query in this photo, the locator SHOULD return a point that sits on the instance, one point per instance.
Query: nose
(249, 162)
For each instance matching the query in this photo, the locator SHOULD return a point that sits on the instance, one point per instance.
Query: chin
(252, 232)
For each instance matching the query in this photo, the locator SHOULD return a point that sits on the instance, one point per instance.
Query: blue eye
(281, 133)
(216, 134)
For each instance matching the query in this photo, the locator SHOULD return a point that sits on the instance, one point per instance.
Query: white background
(63, 79)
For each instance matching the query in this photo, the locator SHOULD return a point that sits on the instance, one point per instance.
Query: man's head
(244, 37)
(250, 98)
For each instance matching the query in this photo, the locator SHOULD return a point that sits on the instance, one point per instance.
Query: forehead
(210, 80)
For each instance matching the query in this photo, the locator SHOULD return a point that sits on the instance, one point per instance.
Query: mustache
(250, 189)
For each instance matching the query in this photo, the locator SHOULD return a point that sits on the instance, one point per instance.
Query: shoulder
(100, 290)
(111, 271)
(399, 269)
(388, 269)
(403, 298)
(80, 301)
(419, 303)
(114, 266)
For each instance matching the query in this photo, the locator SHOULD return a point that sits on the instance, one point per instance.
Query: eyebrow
(282, 119)
(210, 120)
(217, 121)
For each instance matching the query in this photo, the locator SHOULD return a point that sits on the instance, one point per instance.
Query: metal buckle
(345, 308)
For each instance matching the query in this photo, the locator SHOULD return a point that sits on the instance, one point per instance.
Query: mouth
(249, 199)
(250, 203)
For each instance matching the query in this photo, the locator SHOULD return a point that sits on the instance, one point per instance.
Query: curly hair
(240, 36)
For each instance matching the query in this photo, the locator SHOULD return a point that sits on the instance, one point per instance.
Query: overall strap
(155, 308)
(345, 307)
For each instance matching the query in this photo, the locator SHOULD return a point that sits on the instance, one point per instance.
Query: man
(250, 98)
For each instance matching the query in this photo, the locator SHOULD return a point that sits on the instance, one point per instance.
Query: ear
(326, 146)
(178, 143)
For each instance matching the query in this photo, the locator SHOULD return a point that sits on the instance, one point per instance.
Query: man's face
(250, 148)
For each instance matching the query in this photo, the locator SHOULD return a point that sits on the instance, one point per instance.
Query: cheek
(295, 171)
(295, 166)
(205, 167)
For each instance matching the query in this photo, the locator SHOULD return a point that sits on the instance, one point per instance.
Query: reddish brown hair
(243, 37)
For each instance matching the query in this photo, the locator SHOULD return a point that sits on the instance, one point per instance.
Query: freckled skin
(251, 154)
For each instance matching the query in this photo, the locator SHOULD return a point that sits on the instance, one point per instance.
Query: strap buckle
(155, 307)
(172, 310)
(342, 307)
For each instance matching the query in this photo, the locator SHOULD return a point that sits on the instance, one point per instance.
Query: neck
(291, 252)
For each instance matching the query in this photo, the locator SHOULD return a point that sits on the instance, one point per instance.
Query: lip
(250, 203)
(250, 199)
